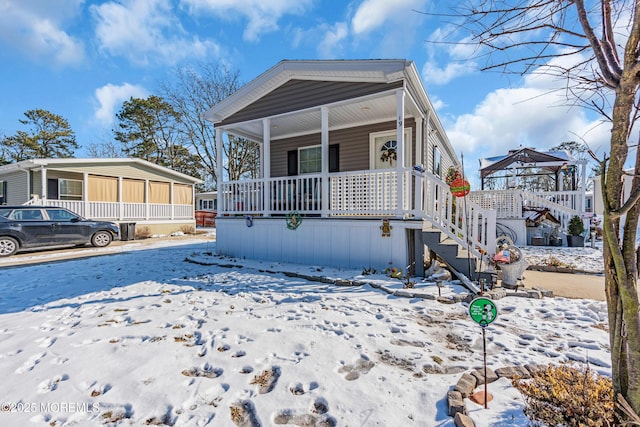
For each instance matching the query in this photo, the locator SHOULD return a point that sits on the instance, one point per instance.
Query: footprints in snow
(353, 371)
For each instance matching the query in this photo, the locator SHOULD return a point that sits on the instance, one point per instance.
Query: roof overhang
(373, 108)
(52, 163)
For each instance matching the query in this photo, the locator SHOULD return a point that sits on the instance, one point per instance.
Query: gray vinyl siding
(17, 187)
(301, 94)
(353, 143)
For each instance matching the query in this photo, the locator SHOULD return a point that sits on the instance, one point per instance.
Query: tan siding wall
(354, 146)
(300, 94)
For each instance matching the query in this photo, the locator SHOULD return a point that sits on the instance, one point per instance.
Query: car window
(32, 214)
(4, 213)
(60, 215)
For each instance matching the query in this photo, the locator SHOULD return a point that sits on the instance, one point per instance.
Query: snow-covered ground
(147, 337)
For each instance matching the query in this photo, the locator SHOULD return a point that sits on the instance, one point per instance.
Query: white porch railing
(510, 203)
(116, 211)
(369, 193)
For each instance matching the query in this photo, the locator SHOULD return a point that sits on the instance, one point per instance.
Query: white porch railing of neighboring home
(506, 203)
(510, 203)
(124, 211)
(559, 204)
(470, 225)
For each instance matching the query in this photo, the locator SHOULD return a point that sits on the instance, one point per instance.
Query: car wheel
(8, 246)
(101, 239)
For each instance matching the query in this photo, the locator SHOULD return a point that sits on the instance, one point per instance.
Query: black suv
(23, 227)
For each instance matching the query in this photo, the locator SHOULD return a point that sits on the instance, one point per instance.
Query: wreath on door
(389, 151)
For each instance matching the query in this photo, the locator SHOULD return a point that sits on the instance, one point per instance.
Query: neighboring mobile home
(352, 163)
(122, 190)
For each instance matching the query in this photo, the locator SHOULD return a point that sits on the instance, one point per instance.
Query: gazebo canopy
(526, 165)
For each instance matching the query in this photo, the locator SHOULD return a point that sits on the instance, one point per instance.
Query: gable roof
(372, 71)
(525, 156)
(292, 93)
(87, 163)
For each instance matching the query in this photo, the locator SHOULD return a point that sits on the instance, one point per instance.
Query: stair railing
(462, 220)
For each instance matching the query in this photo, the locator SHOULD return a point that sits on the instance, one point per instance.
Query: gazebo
(532, 170)
(526, 180)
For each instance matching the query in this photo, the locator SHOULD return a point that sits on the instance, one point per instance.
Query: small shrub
(143, 232)
(562, 395)
(576, 226)
(187, 229)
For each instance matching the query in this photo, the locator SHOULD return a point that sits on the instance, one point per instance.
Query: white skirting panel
(342, 243)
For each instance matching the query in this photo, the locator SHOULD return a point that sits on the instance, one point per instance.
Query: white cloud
(457, 57)
(36, 29)
(147, 32)
(262, 15)
(111, 96)
(526, 116)
(373, 14)
(392, 28)
(331, 43)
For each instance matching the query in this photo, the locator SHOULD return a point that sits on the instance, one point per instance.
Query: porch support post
(417, 180)
(419, 141)
(85, 196)
(400, 150)
(171, 200)
(266, 166)
(147, 207)
(43, 182)
(120, 201)
(324, 141)
(583, 185)
(219, 169)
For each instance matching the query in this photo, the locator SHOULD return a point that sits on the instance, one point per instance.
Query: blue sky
(82, 58)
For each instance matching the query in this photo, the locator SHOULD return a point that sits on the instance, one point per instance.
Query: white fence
(124, 211)
(511, 203)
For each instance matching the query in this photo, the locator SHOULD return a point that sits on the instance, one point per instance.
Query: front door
(383, 149)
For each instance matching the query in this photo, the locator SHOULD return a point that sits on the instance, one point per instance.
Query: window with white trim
(69, 189)
(310, 159)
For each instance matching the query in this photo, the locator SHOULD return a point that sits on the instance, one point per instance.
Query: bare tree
(594, 47)
(191, 94)
(104, 149)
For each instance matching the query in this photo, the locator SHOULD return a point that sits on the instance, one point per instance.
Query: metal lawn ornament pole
(483, 311)
(465, 218)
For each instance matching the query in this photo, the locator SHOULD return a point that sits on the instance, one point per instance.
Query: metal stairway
(449, 251)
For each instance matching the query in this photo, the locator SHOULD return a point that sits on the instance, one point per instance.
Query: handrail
(460, 219)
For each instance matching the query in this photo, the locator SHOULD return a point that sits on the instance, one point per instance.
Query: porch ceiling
(343, 115)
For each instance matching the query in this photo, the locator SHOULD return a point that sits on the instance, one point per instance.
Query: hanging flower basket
(459, 187)
(451, 174)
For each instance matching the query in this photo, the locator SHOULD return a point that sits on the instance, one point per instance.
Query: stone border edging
(494, 294)
(456, 407)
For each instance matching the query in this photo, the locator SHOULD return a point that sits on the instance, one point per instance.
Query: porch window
(437, 162)
(208, 205)
(310, 159)
(69, 189)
